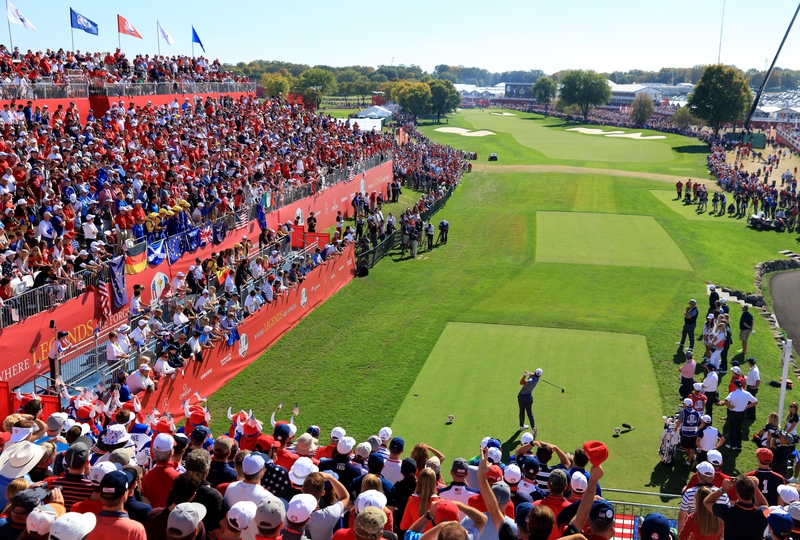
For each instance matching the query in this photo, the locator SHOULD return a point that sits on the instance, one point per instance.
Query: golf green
(690, 211)
(606, 239)
(473, 373)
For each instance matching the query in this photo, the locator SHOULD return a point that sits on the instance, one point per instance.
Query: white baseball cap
(253, 463)
(101, 469)
(300, 508)
(186, 517)
(345, 445)
(526, 438)
(495, 455)
(788, 494)
(578, 482)
(163, 442)
(705, 418)
(512, 474)
(698, 386)
(369, 498)
(538, 372)
(705, 468)
(385, 434)
(242, 513)
(41, 520)
(337, 433)
(688, 402)
(715, 457)
(73, 526)
(303, 466)
(736, 369)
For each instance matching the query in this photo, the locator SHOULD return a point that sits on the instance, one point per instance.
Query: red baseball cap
(494, 474)
(265, 442)
(596, 451)
(764, 455)
(446, 510)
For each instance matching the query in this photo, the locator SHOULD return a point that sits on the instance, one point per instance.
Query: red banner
(258, 333)
(24, 346)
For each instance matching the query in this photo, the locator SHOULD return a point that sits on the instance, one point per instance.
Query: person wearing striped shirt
(705, 474)
(74, 485)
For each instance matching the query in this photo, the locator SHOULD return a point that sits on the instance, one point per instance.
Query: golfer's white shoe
(523, 427)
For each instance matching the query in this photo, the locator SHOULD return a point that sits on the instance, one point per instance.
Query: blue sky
(498, 35)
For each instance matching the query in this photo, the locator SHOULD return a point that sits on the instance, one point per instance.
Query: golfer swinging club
(525, 399)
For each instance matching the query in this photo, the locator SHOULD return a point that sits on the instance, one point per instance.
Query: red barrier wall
(24, 346)
(258, 333)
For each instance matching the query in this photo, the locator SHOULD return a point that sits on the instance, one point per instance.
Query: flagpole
(158, 39)
(10, 39)
(72, 33)
(119, 39)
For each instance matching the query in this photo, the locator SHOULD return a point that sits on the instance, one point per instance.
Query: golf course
(570, 254)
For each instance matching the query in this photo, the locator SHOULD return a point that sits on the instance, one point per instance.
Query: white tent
(374, 112)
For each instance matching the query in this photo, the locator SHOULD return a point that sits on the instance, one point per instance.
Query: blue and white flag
(156, 252)
(175, 248)
(219, 232)
(192, 241)
(79, 22)
(16, 17)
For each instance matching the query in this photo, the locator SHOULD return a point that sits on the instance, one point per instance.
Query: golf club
(551, 384)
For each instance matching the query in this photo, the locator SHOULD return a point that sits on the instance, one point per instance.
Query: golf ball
(617, 431)
(451, 418)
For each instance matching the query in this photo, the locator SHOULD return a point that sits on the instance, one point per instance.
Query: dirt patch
(478, 167)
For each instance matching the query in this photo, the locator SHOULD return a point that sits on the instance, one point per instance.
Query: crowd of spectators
(107, 468)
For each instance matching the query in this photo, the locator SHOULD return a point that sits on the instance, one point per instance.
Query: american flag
(351, 173)
(205, 234)
(296, 410)
(241, 219)
(105, 302)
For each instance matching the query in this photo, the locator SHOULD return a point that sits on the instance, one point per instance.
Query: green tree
(683, 118)
(642, 108)
(721, 95)
(584, 88)
(544, 90)
(444, 97)
(362, 87)
(413, 97)
(321, 79)
(275, 84)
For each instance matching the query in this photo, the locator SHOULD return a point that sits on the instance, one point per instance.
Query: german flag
(136, 258)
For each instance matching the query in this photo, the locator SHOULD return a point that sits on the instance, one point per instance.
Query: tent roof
(374, 112)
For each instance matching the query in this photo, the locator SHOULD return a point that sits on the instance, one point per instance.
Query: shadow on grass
(669, 478)
(509, 446)
(691, 149)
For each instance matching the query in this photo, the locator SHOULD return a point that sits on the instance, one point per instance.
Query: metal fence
(100, 87)
(44, 90)
(370, 258)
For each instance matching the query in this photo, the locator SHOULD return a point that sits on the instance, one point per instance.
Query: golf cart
(761, 222)
(493, 157)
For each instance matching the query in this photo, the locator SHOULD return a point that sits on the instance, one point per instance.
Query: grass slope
(460, 379)
(606, 239)
(353, 361)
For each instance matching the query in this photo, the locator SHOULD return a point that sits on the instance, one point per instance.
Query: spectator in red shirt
(557, 484)
(157, 482)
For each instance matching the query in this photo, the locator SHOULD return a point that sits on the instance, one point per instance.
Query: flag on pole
(241, 220)
(105, 302)
(163, 33)
(125, 27)
(79, 22)
(16, 17)
(196, 39)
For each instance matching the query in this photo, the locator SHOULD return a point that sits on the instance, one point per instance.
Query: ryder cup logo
(303, 297)
(83, 22)
(243, 343)
(157, 286)
(298, 216)
(129, 28)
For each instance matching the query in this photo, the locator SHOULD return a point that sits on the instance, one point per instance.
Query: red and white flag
(125, 27)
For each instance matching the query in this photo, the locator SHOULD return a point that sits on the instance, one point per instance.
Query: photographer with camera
(525, 399)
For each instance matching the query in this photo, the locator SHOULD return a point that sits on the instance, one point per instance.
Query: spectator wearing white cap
(269, 518)
(73, 526)
(737, 402)
(323, 520)
(708, 438)
(157, 482)
(385, 435)
(341, 463)
(141, 334)
(787, 495)
(698, 398)
(114, 350)
(298, 513)
(238, 519)
(186, 522)
(248, 489)
(94, 504)
(577, 486)
(140, 380)
(705, 478)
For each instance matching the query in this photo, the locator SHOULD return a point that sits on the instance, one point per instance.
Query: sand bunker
(638, 135)
(464, 132)
(503, 114)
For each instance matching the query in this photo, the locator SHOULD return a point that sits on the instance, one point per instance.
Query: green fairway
(625, 261)
(473, 374)
(606, 239)
(533, 139)
(690, 211)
